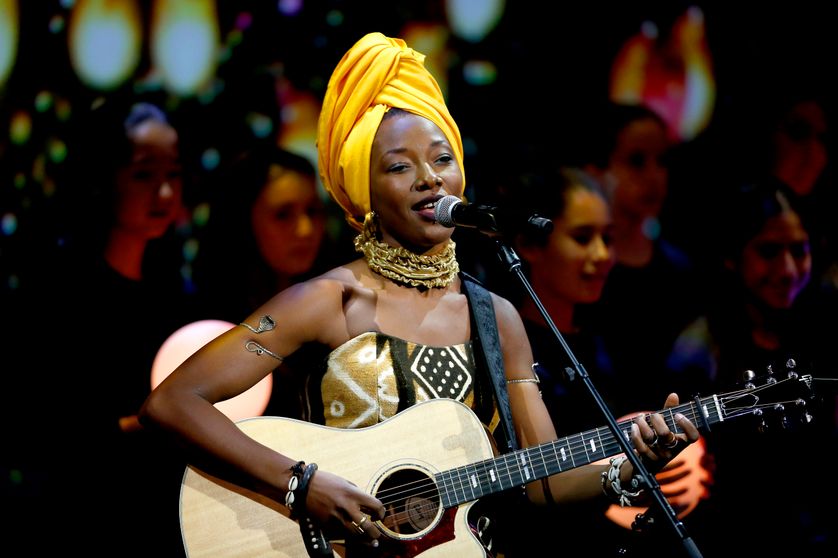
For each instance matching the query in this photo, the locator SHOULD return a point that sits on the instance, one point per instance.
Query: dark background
(552, 59)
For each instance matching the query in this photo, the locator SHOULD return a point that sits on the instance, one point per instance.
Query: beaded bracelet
(612, 476)
(295, 498)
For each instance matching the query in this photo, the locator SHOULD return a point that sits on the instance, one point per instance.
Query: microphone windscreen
(444, 211)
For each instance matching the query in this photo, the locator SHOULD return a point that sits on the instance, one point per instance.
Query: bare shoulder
(506, 313)
(517, 352)
(314, 309)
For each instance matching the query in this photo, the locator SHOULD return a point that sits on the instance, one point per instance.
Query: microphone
(451, 212)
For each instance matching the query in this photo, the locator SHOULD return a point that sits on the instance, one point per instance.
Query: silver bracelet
(534, 380)
(523, 380)
(255, 347)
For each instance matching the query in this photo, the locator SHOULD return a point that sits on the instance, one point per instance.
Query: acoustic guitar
(428, 465)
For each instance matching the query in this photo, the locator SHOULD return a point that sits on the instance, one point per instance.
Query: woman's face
(412, 166)
(777, 263)
(801, 154)
(288, 220)
(638, 170)
(575, 263)
(149, 189)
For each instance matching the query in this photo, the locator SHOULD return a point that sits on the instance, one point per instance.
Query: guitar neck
(473, 481)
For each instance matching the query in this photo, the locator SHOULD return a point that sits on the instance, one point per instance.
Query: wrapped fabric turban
(377, 73)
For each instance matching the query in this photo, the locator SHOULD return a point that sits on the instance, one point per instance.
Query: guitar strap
(485, 322)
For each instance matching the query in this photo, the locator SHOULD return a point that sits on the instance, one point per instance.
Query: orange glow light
(188, 339)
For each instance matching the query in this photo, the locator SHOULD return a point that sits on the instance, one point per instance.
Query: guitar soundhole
(412, 503)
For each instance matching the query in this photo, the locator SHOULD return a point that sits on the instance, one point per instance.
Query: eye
(316, 212)
(282, 214)
(142, 175)
(798, 130)
(397, 168)
(799, 250)
(636, 160)
(770, 250)
(583, 238)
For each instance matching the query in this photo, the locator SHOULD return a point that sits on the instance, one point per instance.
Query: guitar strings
(481, 475)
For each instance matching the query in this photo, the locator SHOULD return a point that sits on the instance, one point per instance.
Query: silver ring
(653, 442)
(673, 443)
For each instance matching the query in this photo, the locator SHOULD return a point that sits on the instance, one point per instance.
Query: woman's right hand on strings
(334, 502)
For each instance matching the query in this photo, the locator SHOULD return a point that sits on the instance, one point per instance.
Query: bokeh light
(105, 42)
(671, 72)
(20, 129)
(472, 20)
(8, 37)
(8, 224)
(43, 101)
(185, 44)
(480, 72)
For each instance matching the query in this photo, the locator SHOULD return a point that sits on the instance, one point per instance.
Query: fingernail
(679, 416)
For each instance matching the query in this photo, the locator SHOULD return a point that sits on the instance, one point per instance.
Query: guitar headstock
(782, 398)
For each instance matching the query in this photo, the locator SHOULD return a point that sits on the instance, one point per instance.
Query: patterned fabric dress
(373, 376)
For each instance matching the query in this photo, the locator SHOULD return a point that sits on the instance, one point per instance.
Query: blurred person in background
(766, 311)
(114, 292)
(268, 229)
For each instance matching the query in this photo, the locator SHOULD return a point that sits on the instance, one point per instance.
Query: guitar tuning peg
(770, 379)
(747, 377)
(806, 418)
(790, 369)
(762, 426)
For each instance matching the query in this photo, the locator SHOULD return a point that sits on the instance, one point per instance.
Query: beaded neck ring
(403, 266)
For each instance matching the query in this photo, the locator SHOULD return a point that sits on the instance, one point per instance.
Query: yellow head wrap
(375, 74)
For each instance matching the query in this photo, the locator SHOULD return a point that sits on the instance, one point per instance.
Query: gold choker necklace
(403, 266)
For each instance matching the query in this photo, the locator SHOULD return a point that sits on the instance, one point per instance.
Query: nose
(600, 249)
(786, 264)
(165, 191)
(305, 226)
(427, 178)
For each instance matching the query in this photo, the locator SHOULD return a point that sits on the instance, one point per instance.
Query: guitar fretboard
(473, 481)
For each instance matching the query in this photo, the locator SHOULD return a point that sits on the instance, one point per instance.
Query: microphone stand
(510, 259)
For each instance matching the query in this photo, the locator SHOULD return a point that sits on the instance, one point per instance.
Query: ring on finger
(653, 442)
(673, 443)
(360, 525)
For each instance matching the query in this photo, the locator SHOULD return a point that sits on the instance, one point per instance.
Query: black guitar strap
(484, 320)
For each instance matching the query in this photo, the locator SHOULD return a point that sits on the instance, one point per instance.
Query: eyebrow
(398, 150)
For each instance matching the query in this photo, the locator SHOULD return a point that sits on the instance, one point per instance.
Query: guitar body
(220, 519)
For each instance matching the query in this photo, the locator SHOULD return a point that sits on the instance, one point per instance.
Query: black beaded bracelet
(297, 471)
(301, 491)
